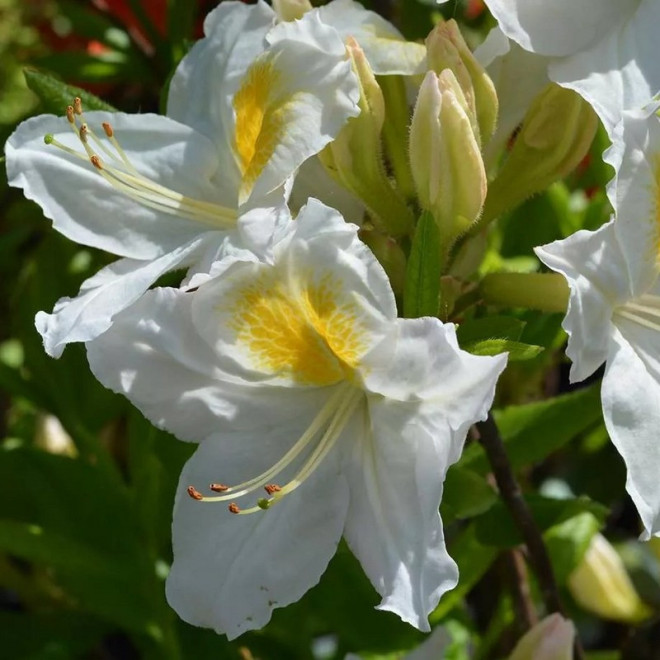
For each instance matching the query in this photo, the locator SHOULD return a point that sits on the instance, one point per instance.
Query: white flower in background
(297, 379)
(614, 308)
(246, 107)
(550, 639)
(605, 51)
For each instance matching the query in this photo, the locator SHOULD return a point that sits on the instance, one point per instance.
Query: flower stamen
(643, 311)
(122, 175)
(335, 413)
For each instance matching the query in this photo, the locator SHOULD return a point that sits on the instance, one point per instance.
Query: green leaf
(568, 541)
(517, 350)
(56, 95)
(498, 529)
(422, 287)
(534, 430)
(465, 494)
(491, 327)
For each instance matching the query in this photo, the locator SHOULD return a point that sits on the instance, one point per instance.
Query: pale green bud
(550, 639)
(554, 137)
(445, 159)
(600, 584)
(291, 10)
(446, 49)
(355, 157)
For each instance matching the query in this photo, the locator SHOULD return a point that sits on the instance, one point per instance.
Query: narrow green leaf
(534, 430)
(56, 95)
(422, 287)
(517, 350)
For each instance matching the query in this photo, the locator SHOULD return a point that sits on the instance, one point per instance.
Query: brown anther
(69, 114)
(234, 508)
(195, 494)
(84, 129)
(108, 129)
(272, 488)
(218, 488)
(96, 161)
(77, 105)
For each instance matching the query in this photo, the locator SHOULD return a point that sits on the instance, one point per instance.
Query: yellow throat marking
(260, 120)
(306, 334)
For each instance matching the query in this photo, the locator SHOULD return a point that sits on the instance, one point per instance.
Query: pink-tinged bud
(445, 159)
(600, 584)
(550, 639)
(446, 49)
(291, 10)
(355, 157)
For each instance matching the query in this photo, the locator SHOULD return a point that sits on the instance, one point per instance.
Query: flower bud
(554, 137)
(445, 159)
(600, 584)
(446, 49)
(355, 157)
(550, 639)
(291, 10)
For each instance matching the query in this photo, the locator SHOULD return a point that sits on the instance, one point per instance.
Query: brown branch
(490, 439)
(523, 604)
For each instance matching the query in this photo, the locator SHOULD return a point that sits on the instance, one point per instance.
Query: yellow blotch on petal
(304, 331)
(260, 120)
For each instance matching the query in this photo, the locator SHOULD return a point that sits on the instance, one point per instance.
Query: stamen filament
(636, 318)
(330, 408)
(651, 311)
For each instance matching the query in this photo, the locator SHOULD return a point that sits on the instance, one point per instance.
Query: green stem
(547, 292)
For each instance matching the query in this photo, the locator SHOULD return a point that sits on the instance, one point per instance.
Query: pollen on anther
(195, 494)
(218, 488)
(69, 114)
(96, 161)
(108, 129)
(84, 129)
(77, 105)
(234, 508)
(272, 488)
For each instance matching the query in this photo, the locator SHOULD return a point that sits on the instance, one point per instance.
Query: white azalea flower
(246, 107)
(614, 308)
(297, 378)
(605, 51)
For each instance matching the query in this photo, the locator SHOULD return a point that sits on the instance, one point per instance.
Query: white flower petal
(386, 49)
(203, 86)
(317, 310)
(427, 366)
(154, 356)
(562, 27)
(107, 293)
(620, 71)
(631, 407)
(293, 100)
(230, 571)
(86, 208)
(596, 272)
(396, 469)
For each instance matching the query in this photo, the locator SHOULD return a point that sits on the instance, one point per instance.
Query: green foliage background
(87, 484)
